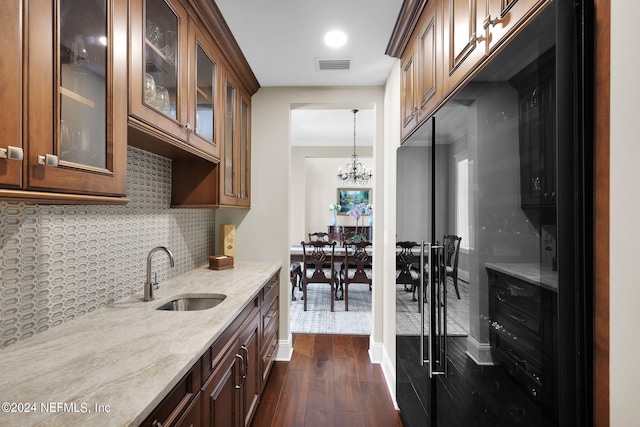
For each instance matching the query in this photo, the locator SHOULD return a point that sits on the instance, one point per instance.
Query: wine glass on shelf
(163, 102)
(169, 49)
(149, 89)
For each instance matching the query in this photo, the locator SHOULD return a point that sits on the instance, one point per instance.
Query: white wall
(392, 122)
(625, 205)
(262, 233)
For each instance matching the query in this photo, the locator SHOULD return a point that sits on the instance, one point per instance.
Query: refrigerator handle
(429, 282)
(421, 302)
(437, 303)
(443, 281)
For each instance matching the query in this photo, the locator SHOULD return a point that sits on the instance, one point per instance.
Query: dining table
(296, 257)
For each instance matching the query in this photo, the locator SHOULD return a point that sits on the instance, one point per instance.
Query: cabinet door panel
(505, 15)
(158, 60)
(430, 54)
(221, 393)
(75, 110)
(408, 106)
(251, 385)
(83, 85)
(464, 42)
(11, 89)
(228, 195)
(244, 152)
(203, 91)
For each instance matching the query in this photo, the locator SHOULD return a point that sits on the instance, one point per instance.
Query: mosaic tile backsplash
(58, 262)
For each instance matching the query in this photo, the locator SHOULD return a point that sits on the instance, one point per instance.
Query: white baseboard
(479, 352)
(375, 352)
(390, 376)
(285, 349)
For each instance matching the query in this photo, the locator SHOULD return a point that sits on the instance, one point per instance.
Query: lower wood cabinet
(222, 391)
(223, 388)
(193, 415)
(178, 402)
(522, 334)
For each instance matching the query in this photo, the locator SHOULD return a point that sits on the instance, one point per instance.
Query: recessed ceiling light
(335, 38)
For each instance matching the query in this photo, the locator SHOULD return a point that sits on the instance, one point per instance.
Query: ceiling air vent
(333, 64)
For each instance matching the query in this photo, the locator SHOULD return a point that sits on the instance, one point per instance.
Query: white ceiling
(331, 127)
(282, 39)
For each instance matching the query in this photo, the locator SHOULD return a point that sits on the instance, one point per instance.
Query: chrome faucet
(150, 285)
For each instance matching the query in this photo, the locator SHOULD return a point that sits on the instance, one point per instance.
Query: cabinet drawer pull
(271, 313)
(518, 359)
(245, 361)
(11, 153)
(243, 368)
(156, 423)
(516, 317)
(48, 160)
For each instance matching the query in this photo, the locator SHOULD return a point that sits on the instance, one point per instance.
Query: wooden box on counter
(220, 262)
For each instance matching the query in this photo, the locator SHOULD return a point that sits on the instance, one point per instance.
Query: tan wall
(625, 205)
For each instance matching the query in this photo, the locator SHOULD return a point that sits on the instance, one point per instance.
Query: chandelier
(354, 172)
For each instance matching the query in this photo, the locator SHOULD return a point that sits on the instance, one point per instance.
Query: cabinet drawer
(177, 401)
(505, 341)
(193, 415)
(214, 354)
(536, 380)
(271, 289)
(527, 323)
(518, 293)
(270, 317)
(268, 356)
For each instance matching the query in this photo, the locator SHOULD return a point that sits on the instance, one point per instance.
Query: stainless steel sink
(192, 302)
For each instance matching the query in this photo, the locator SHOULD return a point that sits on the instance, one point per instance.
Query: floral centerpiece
(335, 208)
(356, 212)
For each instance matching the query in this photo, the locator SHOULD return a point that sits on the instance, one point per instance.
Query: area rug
(408, 315)
(319, 319)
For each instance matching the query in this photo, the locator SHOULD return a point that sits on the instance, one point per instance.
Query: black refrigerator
(497, 331)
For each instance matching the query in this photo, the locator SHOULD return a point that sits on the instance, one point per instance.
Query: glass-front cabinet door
(236, 156)
(71, 60)
(228, 196)
(203, 92)
(244, 152)
(158, 53)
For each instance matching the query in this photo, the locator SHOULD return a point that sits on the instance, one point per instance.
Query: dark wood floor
(328, 382)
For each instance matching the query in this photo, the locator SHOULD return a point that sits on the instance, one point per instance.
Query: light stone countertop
(535, 274)
(126, 355)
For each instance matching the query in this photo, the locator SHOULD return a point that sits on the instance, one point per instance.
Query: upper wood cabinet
(475, 28)
(443, 43)
(185, 49)
(173, 79)
(421, 69)
(464, 40)
(505, 15)
(70, 144)
(236, 144)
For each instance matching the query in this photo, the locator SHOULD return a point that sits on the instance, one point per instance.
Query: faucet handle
(155, 281)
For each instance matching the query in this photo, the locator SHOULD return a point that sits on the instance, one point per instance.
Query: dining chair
(407, 272)
(356, 267)
(318, 266)
(451, 244)
(320, 236)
